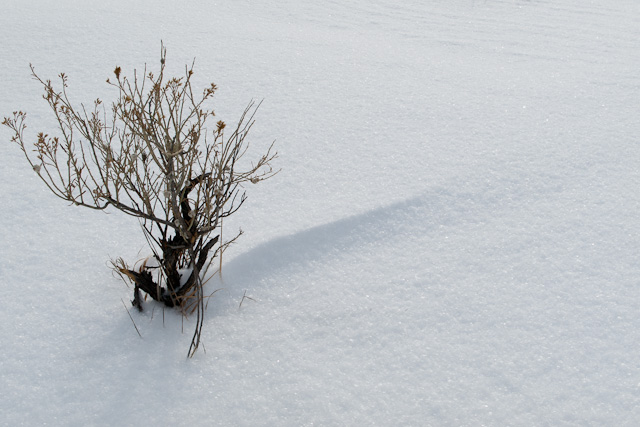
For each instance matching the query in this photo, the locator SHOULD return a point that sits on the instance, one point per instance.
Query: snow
(452, 240)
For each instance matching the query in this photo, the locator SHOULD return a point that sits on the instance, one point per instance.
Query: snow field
(452, 239)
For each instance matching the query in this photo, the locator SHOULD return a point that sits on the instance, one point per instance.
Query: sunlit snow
(453, 239)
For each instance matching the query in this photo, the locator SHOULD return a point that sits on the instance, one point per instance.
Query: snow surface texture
(453, 238)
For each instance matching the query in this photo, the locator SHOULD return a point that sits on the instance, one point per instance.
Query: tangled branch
(151, 156)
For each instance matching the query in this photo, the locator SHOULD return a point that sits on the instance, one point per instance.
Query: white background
(453, 238)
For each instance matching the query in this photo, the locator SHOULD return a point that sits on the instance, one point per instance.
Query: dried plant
(151, 156)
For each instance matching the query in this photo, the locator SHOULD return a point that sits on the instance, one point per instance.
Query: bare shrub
(151, 156)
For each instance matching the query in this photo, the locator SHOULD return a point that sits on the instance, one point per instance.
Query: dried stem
(151, 156)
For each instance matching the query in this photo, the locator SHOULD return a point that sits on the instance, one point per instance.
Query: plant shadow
(423, 214)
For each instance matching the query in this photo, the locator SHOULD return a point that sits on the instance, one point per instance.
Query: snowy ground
(453, 238)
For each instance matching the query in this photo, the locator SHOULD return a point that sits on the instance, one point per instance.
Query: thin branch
(151, 156)
(131, 317)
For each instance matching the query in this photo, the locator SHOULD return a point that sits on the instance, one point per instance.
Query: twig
(220, 268)
(243, 297)
(210, 295)
(130, 317)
